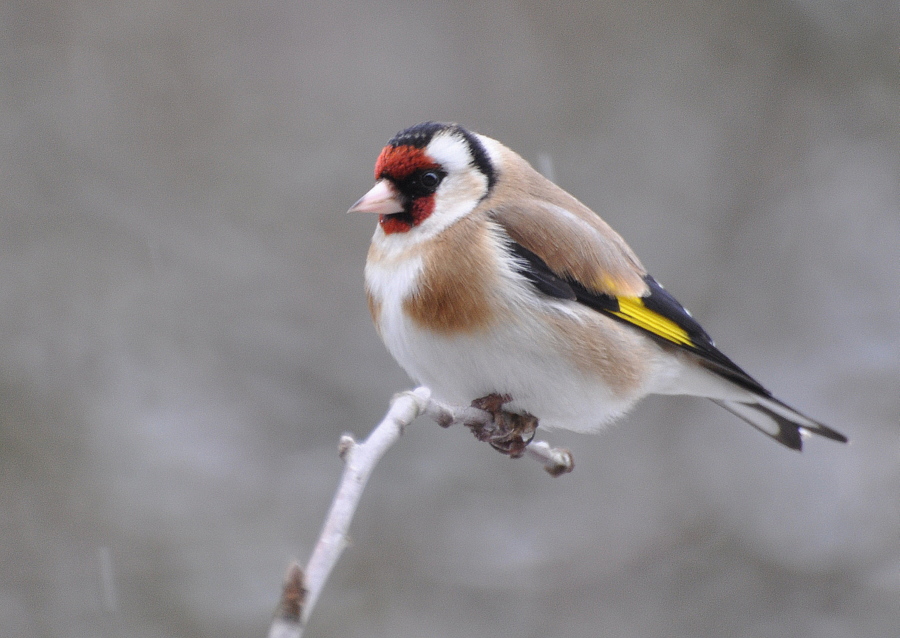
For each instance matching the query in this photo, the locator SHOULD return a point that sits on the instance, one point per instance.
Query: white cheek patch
(450, 151)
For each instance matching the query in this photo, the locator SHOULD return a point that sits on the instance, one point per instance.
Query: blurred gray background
(183, 333)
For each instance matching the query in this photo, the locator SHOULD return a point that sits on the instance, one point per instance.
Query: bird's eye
(430, 179)
(422, 183)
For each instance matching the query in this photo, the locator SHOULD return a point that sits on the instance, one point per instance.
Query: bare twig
(360, 459)
(302, 588)
(557, 461)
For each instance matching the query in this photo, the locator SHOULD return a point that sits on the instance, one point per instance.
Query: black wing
(657, 313)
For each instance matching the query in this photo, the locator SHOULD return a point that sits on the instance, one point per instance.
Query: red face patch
(397, 163)
(421, 209)
(391, 224)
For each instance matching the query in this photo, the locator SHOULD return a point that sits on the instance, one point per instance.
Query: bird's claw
(508, 432)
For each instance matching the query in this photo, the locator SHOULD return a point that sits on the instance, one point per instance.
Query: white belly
(519, 359)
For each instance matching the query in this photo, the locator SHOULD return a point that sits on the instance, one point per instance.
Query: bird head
(427, 177)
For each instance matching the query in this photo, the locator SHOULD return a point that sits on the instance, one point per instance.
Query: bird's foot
(508, 433)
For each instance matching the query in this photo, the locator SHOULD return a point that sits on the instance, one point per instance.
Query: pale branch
(302, 588)
(557, 461)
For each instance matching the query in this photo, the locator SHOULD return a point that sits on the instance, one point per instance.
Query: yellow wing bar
(633, 310)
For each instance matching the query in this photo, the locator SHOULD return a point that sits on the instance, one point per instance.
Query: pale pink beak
(383, 199)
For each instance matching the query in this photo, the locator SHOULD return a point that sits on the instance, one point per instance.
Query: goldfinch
(486, 280)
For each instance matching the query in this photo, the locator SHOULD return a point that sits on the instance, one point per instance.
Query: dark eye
(421, 183)
(430, 179)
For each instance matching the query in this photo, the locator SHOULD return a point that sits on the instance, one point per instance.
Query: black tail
(780, 421)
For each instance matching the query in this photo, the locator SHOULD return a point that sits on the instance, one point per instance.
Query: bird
(496, 288)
